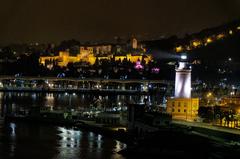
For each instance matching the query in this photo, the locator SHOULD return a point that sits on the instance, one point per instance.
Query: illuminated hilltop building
(90, 54)
(183, 106)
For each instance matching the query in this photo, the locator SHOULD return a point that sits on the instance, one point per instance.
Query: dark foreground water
(28, 141)
(34, 141)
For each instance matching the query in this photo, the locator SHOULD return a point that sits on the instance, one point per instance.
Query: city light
(209, 94)
(184, 57)
(138, 65)
(179, 49)
(155, 70)
(209, 40)
(196, 43)
(50, 85)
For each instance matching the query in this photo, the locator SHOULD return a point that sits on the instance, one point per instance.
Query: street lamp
(209, 97)
(70, 99)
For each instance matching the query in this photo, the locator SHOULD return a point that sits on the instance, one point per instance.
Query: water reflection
(18, 102)
(119, 146)
(13, 126)
(78, 144)
(19, 140)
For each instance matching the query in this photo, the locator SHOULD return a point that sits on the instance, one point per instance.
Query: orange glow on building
(179, 49)
(183, 108)
(209, 40)
(196, 43)
(91, 53)
(220, 36)
(87, 55)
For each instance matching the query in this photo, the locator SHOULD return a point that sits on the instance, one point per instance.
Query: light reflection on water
(71, 145)
(63, 100)
(34, 141)
(19, 140)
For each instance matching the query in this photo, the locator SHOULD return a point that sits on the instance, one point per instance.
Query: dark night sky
(57, 20)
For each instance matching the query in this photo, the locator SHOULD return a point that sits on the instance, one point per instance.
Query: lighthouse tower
(182, 106)
(183, 80)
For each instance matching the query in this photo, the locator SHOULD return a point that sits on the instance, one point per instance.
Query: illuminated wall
(65, 58)
(183, 108)
(135, 58)
(183, 81)
(121, 58)
(42, 60)
(134, 43)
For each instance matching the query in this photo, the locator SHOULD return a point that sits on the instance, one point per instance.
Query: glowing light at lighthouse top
(183, 81)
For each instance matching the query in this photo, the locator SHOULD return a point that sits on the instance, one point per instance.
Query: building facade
(183, 108)
(90, 54)
(235, 100)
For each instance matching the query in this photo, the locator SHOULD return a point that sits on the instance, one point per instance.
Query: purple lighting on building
(138, 65)
(155, 70)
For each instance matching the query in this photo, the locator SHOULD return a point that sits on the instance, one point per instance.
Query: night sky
(57, 20)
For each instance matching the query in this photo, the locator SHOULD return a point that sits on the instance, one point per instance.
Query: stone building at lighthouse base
(183, 108)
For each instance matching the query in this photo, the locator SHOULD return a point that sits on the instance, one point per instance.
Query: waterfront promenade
(229, 136)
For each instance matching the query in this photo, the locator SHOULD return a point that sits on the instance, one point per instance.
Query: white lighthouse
(182, 106)
(183, 81)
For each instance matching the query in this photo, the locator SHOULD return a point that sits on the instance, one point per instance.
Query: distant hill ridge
(203, 39)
